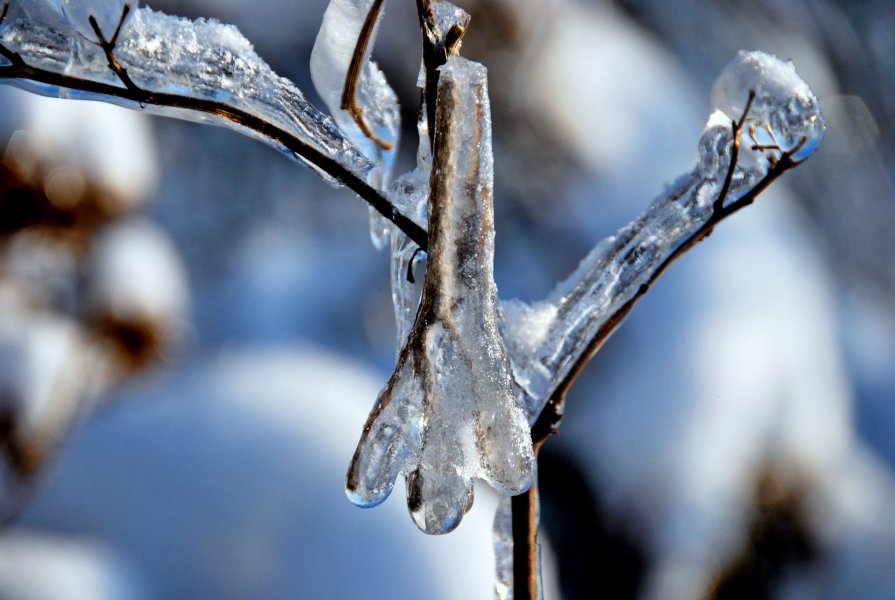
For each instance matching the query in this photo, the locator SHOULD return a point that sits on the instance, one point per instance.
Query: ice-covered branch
(766, 121)
(198, 70)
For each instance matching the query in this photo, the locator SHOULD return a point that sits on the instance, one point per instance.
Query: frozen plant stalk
(448, 413)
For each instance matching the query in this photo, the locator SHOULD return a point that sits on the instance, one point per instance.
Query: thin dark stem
(108, 47)
(21, 71)
(525, 545)
(737, 128)
(349, 92)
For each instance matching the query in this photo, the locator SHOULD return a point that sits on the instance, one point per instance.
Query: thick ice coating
(546, 339)
(202, 60)
(448, 413)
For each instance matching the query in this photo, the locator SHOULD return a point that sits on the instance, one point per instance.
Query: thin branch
(525, 545)
(108, 48)
(737, 127)
(19, 70)
(349, 93)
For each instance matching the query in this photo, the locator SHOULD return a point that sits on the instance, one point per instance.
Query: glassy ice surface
(330, 60)
(201, 59)
(783, 102)
(503, 549)
(546, 339)
(449, 414)
(107, 14)
(378, 103)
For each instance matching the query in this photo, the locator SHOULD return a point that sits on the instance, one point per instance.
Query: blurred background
(192, 328)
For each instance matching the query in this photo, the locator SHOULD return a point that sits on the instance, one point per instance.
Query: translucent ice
(545, 341)
(783, 101)
(182, 61)
(330, 61)
(502, 533)
(448, 414)
(107, 13)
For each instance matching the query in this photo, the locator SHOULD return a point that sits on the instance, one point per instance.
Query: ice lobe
(201, 60)
(448, 413)
(783, 101)
(784, 117)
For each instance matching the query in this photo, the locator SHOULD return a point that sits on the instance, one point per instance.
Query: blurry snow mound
(226, 480)
(113, 147)
(36, 566)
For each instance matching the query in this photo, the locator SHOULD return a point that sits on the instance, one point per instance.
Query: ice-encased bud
(107, 13)
(783, 101)
(448, 414)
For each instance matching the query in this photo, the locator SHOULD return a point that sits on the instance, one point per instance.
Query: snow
(240, 461)
(136, 275)
(38, 566)
(111, 147)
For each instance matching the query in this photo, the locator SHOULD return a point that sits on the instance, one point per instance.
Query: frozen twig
(641, 253)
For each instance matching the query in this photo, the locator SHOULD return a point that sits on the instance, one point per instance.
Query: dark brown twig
(108, 47)
(552, 413)
(19, 70)
(349, 92)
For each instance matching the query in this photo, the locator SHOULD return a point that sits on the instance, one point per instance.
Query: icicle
(448, 413)
(784, 116)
